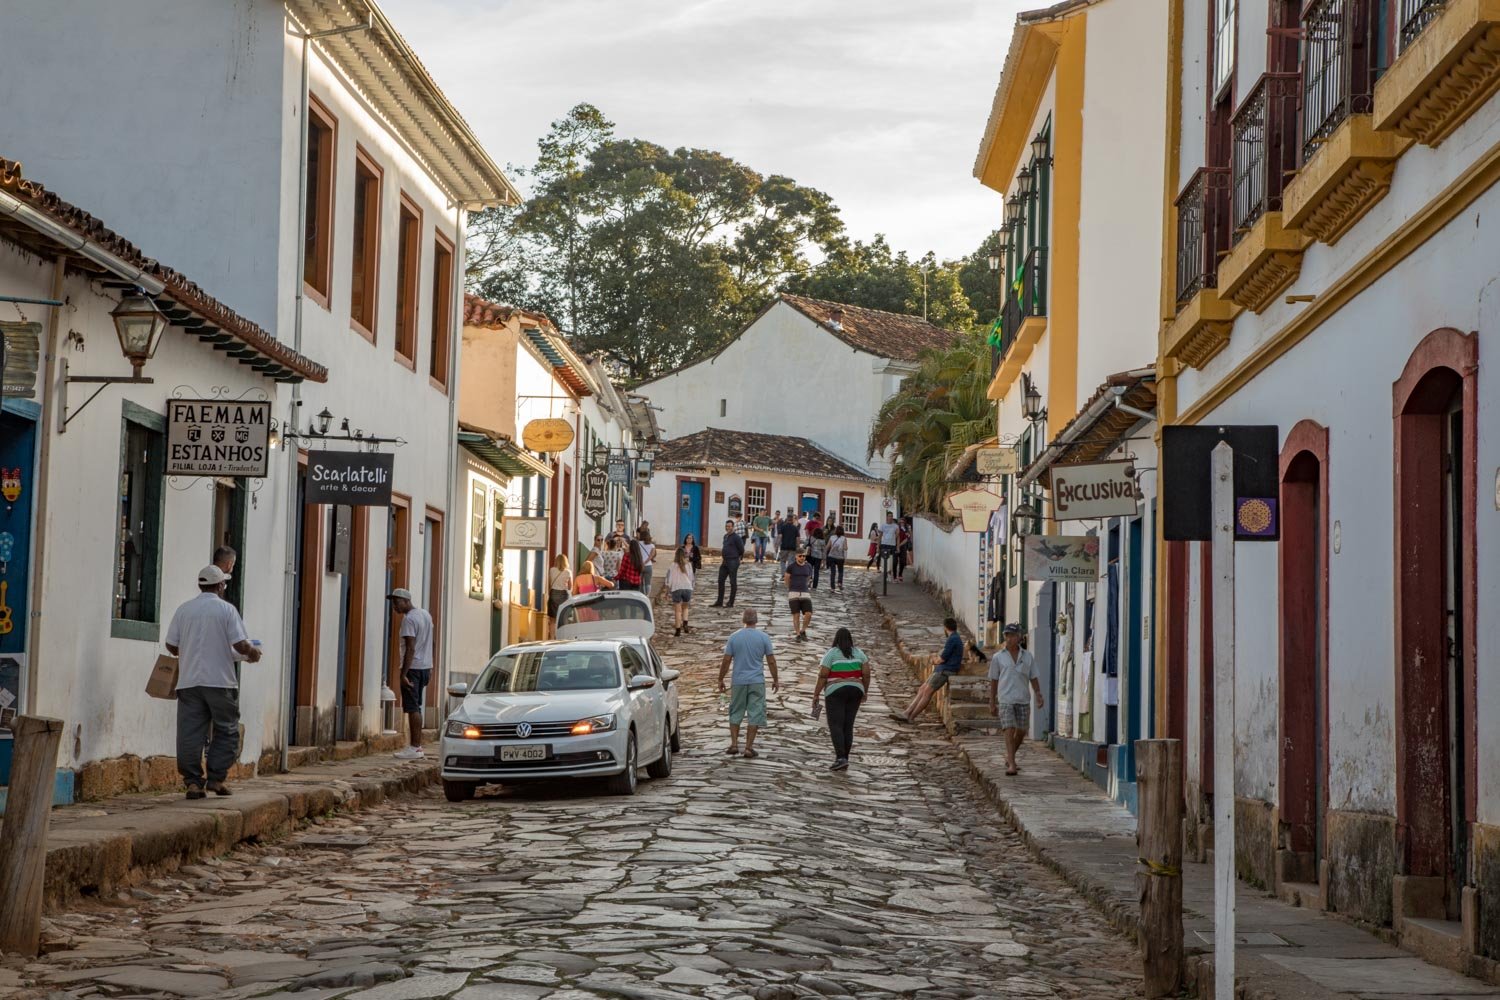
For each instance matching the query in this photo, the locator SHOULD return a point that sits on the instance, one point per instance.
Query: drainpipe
(292, 572)
(455, 344)
(40, 474)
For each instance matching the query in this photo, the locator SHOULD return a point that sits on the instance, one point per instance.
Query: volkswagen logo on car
(524, 730)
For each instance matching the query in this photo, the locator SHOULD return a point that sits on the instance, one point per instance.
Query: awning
(500, 451)
(1124, 400)
(562, 364)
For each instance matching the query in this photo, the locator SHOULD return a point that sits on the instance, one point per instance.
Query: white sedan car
(595, 702)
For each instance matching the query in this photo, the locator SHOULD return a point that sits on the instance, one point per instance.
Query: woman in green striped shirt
(843, 680)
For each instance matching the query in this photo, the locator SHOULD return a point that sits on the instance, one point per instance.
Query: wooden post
(23, 839)
(1222, 475)
(1158, 775)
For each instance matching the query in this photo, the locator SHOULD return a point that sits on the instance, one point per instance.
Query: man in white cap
(207, 637)
(416, 665)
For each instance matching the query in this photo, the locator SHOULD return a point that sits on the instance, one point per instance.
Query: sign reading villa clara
(355, 478)
(218, 437)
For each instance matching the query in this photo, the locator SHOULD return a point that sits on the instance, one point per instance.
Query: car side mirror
(668, 676)
(458, 690)
(641, 682)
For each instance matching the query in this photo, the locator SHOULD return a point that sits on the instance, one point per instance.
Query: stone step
(303, 757)
(969, 710)
(348, 749)
(988, 722)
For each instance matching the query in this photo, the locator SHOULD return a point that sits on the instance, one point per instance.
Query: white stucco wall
(172, 131)
(784, 375)
(1194, 91)
(949, 559)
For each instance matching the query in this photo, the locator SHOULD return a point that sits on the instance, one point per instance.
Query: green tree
(981, 285)
(876, 277)
(648, 256)
(940, 410)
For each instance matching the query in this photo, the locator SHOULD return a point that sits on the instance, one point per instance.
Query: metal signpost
(1222, 476)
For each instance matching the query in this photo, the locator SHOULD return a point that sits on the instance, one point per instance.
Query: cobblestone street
(770, 878)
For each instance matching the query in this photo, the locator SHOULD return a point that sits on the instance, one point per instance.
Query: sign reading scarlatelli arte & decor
(355, 478)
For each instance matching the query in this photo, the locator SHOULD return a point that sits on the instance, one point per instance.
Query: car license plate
(540, 752)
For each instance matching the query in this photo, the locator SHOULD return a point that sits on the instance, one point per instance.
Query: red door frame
(1419, 401)
(1176, 641)
(1302, 602)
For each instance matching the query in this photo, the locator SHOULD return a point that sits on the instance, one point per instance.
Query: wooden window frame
(434, 595)
(310, 585)
(398, 562)
(479, 534)
(440, 360)
(322, 219)
(408, 279)
(859, 518)
(364, 163)
(354, 626)
(750, 484)
(148, 627)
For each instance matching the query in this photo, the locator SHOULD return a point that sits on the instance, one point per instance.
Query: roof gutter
(81, 245)
(1080, 425)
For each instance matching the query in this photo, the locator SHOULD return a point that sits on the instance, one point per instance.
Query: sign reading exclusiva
(353, 478)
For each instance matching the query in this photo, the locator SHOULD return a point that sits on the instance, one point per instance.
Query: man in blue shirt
(749, 651)
(944, 665)
(731, 551)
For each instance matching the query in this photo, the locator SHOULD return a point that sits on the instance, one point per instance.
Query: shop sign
(1061, 558)
(217, 437)
(619, 470)
(525, 533)
(997, 462)
(1101, 489)
(20, 357)
(355, 478)
(736, 506)
(595, 493)
(974, 507)
(548, 435)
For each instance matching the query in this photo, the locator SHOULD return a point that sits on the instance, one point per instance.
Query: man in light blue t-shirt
(749, 651)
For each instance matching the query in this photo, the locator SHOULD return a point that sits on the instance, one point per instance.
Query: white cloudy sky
(880, 103)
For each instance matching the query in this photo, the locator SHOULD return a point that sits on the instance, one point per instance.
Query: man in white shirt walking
(205, 635)
(416, 665)
(1011, 671)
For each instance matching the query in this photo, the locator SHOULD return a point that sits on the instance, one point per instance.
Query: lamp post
(139, 325)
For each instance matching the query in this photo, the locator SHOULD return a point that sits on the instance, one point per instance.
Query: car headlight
(598, 724)
(462, 730)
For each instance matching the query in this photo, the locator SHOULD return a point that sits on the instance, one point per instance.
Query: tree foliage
(648, 256)
(873, 275)
(940, 410)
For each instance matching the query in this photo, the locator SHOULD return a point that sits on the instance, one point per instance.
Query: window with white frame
(755, 499)
(478, 535)
(1225, 14)
(851, 513)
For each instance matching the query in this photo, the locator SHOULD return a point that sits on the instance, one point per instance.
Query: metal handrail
(1202, 230)
(1416, 15)
(1265, 149)
(1026, 297)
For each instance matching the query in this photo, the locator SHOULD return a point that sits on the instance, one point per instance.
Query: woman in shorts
(679, 584)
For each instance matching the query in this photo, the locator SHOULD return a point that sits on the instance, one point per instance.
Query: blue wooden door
(810, 503)
(690, 511)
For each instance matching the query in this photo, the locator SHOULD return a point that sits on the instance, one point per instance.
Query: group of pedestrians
(891, 545)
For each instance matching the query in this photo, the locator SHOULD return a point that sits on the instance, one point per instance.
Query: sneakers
(842, 764)
(409, 753)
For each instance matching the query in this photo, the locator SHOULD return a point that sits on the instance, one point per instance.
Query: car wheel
(459, 791)
(624, 782)
(676, 736)
(661, 767)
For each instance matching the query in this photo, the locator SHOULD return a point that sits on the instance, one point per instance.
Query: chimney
(836, 320)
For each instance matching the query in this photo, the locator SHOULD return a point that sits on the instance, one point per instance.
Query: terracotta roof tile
(750, 450)
(884, 334)
(178, 287)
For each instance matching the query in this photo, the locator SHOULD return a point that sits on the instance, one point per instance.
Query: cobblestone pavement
(770, 878)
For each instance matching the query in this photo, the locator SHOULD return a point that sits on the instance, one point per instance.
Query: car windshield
(604, 609)
(528, 671)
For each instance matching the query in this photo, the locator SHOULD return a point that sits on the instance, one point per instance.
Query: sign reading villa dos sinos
(1101, 489)
(216, 437)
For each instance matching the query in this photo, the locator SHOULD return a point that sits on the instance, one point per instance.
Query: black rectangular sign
(359, 479)
(1186, 493)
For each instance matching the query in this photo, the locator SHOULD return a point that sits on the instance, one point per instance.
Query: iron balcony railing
(1026, 297)
(1202, 230)
(1416, 15)
(1339, 59)
(1265, 148)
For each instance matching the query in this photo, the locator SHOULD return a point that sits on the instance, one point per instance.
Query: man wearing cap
(416, 665)
(1011, 670)
(205, 635)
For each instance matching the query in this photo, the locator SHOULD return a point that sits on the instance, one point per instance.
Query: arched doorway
(1435, 410)
(1303, 670)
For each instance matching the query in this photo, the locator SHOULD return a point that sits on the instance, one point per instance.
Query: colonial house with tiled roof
(715, 475)
(803, 368)
(302, 163)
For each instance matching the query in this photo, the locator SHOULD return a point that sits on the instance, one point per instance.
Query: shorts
(747, 703)
(411, 697)
(800, 602)
(939, 679)
(681, 596)
(1015, 716)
